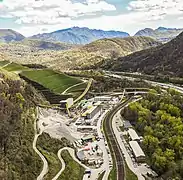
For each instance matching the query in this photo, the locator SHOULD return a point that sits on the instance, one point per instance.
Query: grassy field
(56, 82)
(52, 80)
(73, 170)
(79, 87)
(15, 67)
(53, 164)
(2, 63)
(49, 148)
(129, 174)
(101, 176)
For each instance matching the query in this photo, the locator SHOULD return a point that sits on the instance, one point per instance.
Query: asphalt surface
(113, 143)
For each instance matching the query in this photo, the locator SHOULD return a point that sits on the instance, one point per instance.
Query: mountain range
(82, 36)
(161, 34)
(78, 35)
(79, 57)
(166, 59)
(138, 53)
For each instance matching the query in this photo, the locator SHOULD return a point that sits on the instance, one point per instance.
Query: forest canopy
(159, 119)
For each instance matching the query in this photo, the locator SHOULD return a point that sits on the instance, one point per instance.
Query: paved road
(112, 141)
(123, 148)
(179, 89)
(85, 91)
(45, 163)
(73, 86)
(94, 172)
(105, 167)
(62, 165)
(72, 153)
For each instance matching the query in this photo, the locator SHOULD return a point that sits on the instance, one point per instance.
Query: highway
(164, 85)
(115, 149)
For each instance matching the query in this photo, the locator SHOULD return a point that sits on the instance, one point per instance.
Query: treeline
(108, 84)
(35, 66)
(18, 160)
(159, 119)
(158, 77)
(103, 83)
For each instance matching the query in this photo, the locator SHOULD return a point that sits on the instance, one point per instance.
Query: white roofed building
(137, 151)
(102, 98)
(93, 111)
(133, 135)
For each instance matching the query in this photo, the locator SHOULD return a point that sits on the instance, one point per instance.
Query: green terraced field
(2, 63)
(79, 87)
(15, 67)
(52, 80)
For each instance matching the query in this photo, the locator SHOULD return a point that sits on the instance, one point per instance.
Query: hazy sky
(37, 16)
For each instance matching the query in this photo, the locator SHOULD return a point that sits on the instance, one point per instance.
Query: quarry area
(83, 126)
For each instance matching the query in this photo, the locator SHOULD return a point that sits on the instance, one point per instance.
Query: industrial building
(137, 151)
(89, 138)
(90, 113)
(133, 135)
(102, 98)
(86, 128)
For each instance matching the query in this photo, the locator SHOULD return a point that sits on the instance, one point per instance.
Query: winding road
(85, 91)
(72, 153)
(72, 87)
(45, 163)
(62, 165)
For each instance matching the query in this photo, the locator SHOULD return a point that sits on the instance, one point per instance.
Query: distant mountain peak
(9, 35)
(162, 34)
(79, 35)
(168, 29)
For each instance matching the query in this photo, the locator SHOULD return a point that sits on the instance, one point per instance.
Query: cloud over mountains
(51, 11)
(38, 16)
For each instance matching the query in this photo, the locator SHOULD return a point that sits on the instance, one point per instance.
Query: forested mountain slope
(44, 45)
(18, 160)
(166, 59)
(82, 57)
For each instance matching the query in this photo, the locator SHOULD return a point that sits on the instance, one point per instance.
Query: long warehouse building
(133, 135)
(90, 113)
(137, 151)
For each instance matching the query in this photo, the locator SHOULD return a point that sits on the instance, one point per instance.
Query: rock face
(8, 35)
(161, 34)
(166, 59)
(78, 35)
